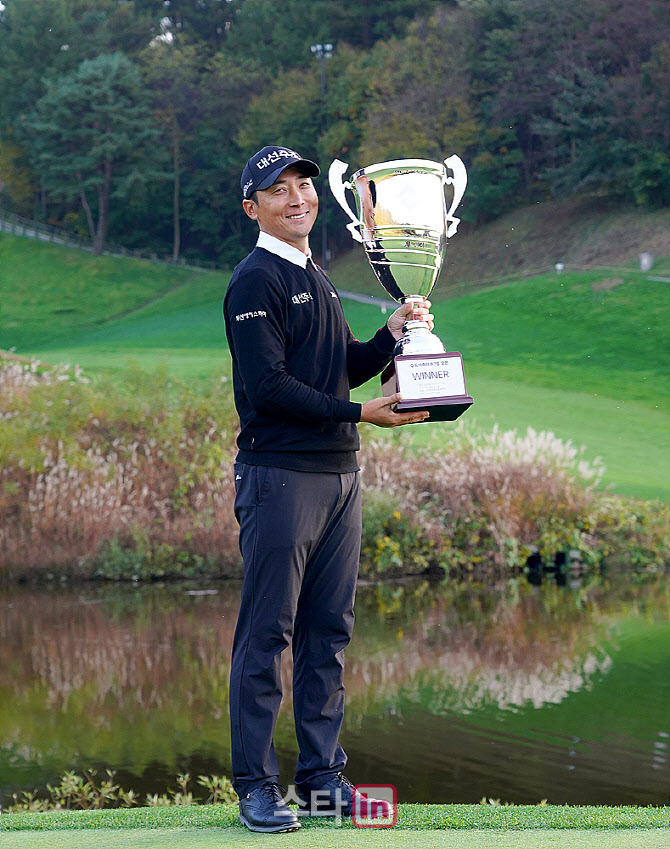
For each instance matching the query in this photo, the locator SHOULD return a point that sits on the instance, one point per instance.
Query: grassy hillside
(63, 305)
(583, 354)
(578, 232)
(51, 292)
(601, 333)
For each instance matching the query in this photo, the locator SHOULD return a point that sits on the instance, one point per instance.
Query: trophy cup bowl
(403, 223)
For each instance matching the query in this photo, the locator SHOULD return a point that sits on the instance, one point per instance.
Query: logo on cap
(276, 156)
(264, 168)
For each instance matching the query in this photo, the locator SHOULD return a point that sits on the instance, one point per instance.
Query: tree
(537, 97)
(420, 104)
(494, 175)
(599, 126)
(202, 22)
(44, 39)
(15, 179)
(280, 33)
(212, 198)
(171, 73)
(88, 132)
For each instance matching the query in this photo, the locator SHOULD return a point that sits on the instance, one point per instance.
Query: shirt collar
(282, 249)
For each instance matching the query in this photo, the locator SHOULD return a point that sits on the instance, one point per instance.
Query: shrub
(137, 471)
(391, 544)
(480, 504)
(87, 792)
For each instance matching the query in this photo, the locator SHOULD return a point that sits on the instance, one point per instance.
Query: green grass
(307, 839)
(566, 355)
(458, 826)
(410, 817)
(582, 354)
(51, 292)
(567, 332)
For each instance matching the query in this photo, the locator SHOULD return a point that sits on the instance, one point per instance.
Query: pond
(454, 693)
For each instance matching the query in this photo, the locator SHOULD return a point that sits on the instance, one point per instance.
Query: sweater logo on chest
(302, 298)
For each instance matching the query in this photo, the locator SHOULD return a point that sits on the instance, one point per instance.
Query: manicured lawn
(456, 826)
(365, 839)
(48, 291)
(632, 440)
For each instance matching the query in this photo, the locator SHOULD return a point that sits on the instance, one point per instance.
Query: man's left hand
(404, 313)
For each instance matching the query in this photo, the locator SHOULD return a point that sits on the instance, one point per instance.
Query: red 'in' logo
(374, 806)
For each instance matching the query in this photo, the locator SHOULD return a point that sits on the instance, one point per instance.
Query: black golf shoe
(264, 809)
(336, 798)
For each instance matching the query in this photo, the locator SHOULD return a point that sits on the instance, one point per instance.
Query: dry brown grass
(489, 499)
(96, 472)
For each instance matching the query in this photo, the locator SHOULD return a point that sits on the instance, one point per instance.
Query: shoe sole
(268, 829)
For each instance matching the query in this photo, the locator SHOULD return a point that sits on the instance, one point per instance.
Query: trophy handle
(336, 171)
(459, 181)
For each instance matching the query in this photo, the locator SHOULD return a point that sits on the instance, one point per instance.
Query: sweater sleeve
(255, 324)
(366, 359)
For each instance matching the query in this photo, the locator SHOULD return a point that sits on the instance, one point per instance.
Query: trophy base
(433, 382)
(440, 409)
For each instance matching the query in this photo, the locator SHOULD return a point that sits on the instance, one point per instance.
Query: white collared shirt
(283, 249)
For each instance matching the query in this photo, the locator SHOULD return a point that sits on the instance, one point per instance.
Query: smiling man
(297, 491)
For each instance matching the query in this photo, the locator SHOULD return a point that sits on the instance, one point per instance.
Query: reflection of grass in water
(469, 649)
(119, 683)
(143, 675)
(627, 700)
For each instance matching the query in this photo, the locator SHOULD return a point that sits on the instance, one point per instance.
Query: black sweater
(294, 361)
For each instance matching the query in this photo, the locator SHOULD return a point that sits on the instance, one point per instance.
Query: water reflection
(521, 692)
(503, 651)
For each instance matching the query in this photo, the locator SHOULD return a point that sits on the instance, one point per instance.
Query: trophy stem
(415, 300)
(417, 336)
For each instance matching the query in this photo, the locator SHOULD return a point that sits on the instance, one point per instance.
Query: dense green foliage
(540, 99)
(88, 130)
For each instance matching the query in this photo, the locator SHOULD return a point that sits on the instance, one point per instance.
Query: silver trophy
(403, 223)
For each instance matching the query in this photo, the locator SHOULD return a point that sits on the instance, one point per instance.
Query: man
(298, 498)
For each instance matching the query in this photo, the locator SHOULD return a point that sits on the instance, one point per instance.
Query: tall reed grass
(480, 503)
(130, 479)
(97, 473)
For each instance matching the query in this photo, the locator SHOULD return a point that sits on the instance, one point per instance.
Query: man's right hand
(378, 412)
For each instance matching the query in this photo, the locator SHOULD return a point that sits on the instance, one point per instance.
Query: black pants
(300, 536)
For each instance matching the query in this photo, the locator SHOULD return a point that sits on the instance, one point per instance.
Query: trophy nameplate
(433, 382)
